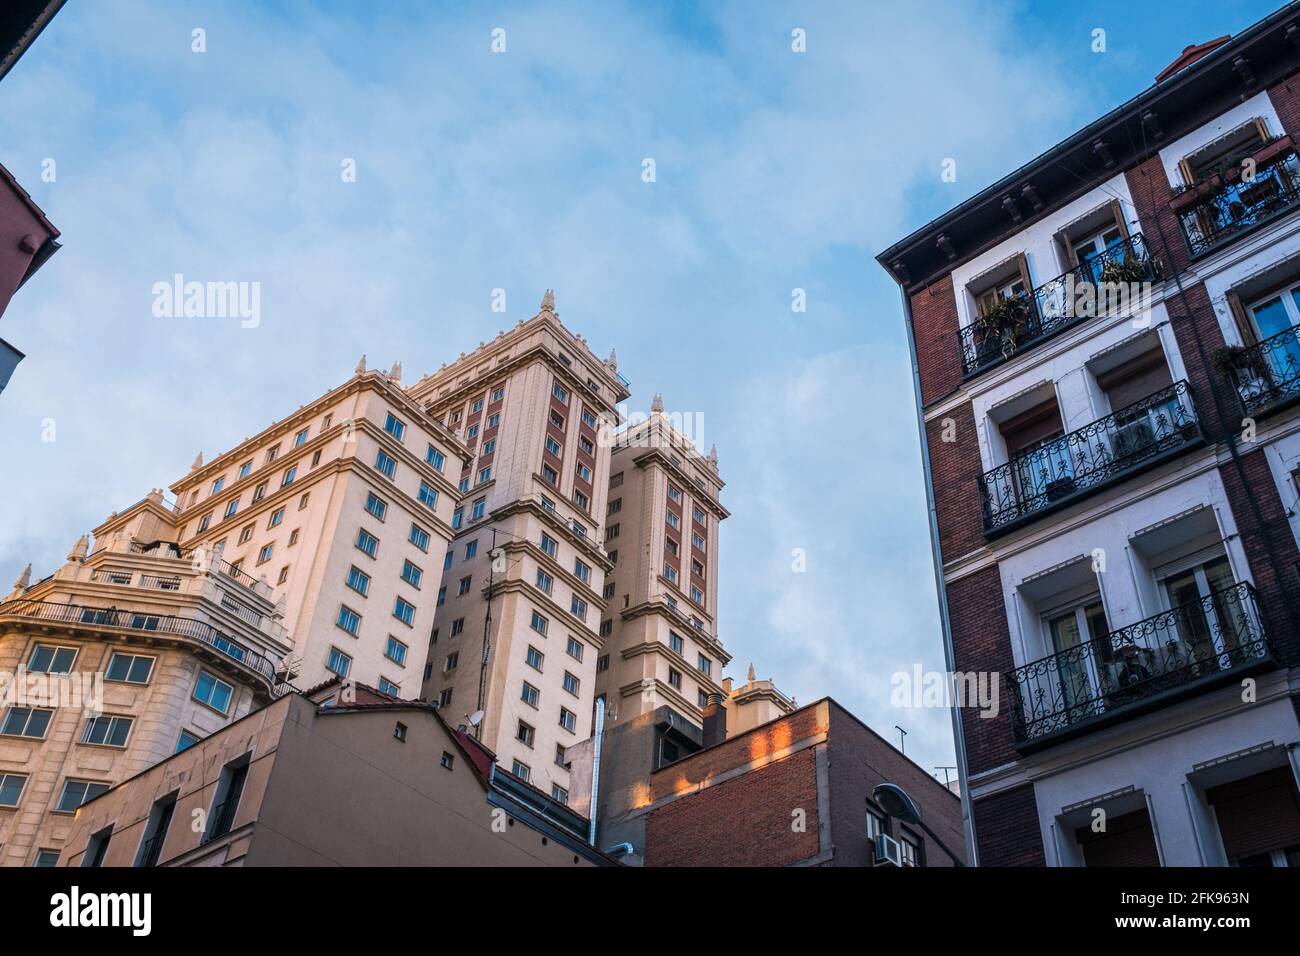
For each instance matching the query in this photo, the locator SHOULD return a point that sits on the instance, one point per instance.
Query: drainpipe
(598, 733)
(967, 814)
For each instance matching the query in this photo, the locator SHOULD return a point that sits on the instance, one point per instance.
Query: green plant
(1003, 323)
(1127, 270)
(1233, 360)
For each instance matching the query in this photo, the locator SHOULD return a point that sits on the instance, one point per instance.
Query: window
(674, 493)
(367, 542)
(571, 683)
(551, 476)
(50, 659)
(581, 500)
(231, 507)
(697, 540)
(156, 827)
(399, 730)
(675, 642)
(578, 608)
(186, 741)
(213, 691)
(264, 555)
(245, 468)
(538, 623)
(204, 522)
(385, 463)
(702, 699)
(428, 495)
(697, 568)
(670, 573)
(560, 758)
(376, 506)
(349, 620)
(395, 426)
(483, 475)
(477, 406)
(534, 658)
(544, 581)
(471, 549)
(568, 720)
(559, 794)
(675, 678)
(584, 472)
(602, 663)
(525, 734)
(671, 546)
(26, 722)
(875, 824)
(489, 447)
(447, 761)
(574, 648)
(338, 662)
(476, 510)
(561, 395)
(911, 847)
(607, 591)
(217, 486)
(225, 802)
(388, 687)
(457, 517)
(419, 537)
(271, 454)
(444, 698)
(588, 419)
(457, 626)
(300, 439)
(411, 574)
(129, 668)
(435, 458)
(358, 580)
(498, 394)
(548, 544)
(704, 665)
(553, 446)
(529, 694)
(697, 595)
(395, 651)
(451, 663)
(586, 445)
(11, 788)
(404, 611)
(520, 770)
(246, 534)
(276, 517)
(46, 858)
(557, 419)
(77, 792)
(606, 628)
(107, 731)
(494, 421)
(463, 485)
(699, 517)
(259, 492)
(472, 432)
(289, 475)
(465, 584)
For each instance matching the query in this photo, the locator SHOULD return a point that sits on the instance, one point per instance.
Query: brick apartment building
(795, 791)
(1113, 490)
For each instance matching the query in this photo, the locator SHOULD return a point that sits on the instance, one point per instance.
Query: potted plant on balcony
(1245, 368)
(1002, 324)
(1128, 269)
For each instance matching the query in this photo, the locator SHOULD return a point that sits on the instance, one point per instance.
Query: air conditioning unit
(888, 852)
(1133, 438)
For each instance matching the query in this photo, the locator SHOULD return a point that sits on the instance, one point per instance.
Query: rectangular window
(392, 690)
(213, 691)
(529, 694)
(571, 683)
(548, 473)
(246, 534)
(271, 454)
(404, 611)
(586, 444)
(367, 542)
(697, 540)
(376, 506)
(457, 517)
(465, 584)
(697, 595)
(428, 495)
(411, 574)
(588, 419)
(675, 678)
(477, 406)
(472, 432)
(11, 788)
(259, 492)
(186, 741)
(560, 759)
(606, 628)
(274, 520)
(548, 544)
(289, 475)
(670, 573)
(107, 731)
(705, 665)
(561, 395)
(471, 549)
(231, 507)
(444, 698)
(544, 581)
(457, 626)
(419, 537)
(476, 510)
(217, 486)
(675, 642)
(553, 446)
(538, 624)
(385, 464)
(358, 580)
(559, 794)
(51, 659)
(245, 468)
(349, 620)
(395, 426)
(583, 571)
(578, 608)
(129, 668)
(520, 770)
(77, 792)
(498, 394)
(525, 734)
(484, 475)
(574, 648)
(338, 662)
(674, 493)
(568, 720)
(557, 419)
(674, 521)
(584, 472)
(300, 439)
(602, 663)
(699, 517)
(204, 522)
(435, 458)
(26, 722)
(580, 499)
(450, 664)
(534, 658)
(494, 421)
(463, 485)
(264, 555)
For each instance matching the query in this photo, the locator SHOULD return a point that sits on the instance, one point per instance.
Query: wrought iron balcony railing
(1136, 668)
(195, 630)
(1229, 203)
(1098, 286)
(1083, 461)
(1267, 374)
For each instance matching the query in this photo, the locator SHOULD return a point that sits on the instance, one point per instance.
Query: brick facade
(982, 642)
(935, 325)
(1285, 97)
(1006, 829)
(955, 469)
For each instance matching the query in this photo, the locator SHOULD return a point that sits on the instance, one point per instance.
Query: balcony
(188, 628)
(1087, 290)
(1171, 656)
(1083, 462)
(1266, 375)
(1227, 205)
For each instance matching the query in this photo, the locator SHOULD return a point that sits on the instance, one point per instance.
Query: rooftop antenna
(902, 740)
(945, 774)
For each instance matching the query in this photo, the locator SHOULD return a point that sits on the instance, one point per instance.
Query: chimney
(715, 721)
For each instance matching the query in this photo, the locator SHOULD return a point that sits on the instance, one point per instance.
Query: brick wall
(955, 470)
(1197, 331)
(982, 642)
(1006, 829)
(745, 821)
(1148, 184)
(1286, 100)
(1270, 548)
(938, 354)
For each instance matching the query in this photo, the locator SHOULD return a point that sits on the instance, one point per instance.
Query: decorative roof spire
(612, 361)
(395, 373)
(713, 456)
(657, 405)
(79, 549)
(361, 366)
(750, 674)
(24, 579)
(198, 462)
(548, 302)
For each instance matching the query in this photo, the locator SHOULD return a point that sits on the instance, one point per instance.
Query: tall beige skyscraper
(517, 636)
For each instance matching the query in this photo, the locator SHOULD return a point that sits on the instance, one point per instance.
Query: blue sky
(522, 171)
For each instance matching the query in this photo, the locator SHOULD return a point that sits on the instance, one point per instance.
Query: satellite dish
(476, 718)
